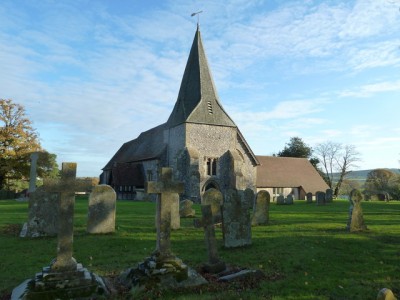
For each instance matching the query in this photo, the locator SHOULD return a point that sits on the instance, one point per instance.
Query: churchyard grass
(305, 251)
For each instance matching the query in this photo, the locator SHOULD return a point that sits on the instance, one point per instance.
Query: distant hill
(361, 175)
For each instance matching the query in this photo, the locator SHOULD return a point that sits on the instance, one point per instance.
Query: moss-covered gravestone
(214, 198)
(236, 223)
(64, 278)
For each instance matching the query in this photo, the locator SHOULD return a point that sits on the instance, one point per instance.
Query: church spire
(197, 99)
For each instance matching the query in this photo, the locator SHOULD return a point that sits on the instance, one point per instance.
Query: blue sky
(95, 74)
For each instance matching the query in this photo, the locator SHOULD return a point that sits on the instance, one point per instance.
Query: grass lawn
(305, 251)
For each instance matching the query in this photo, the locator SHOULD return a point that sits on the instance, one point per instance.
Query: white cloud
(369, 90)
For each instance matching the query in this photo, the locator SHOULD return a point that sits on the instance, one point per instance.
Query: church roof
(148, 145)
(197, 99)
(289, 172)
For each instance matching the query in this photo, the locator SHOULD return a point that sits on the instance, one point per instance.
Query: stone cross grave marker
(66, 188)
(214, 265)
(357, 218)
(167, 191)
(32, 174)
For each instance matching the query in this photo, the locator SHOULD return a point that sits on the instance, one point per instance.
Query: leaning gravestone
(261, 209)
(162, 269)
(186, 210)
(289, 199)
(309, 197)
(280, 200)
(357, 219)
(64, 278)
(214, 198)
(236, 224)
(329, 196)
(101, 209)
(320, 198)
(214, 264)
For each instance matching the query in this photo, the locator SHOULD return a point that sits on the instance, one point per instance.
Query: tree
(380, 182)
(18, 139)
(297, 148)
(336, 158)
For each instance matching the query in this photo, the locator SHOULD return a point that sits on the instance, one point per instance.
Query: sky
(93, 75)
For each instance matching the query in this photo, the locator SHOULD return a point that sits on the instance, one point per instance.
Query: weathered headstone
(64, 278)
(357, 219)
(236, 223)
(33, 174)
(101, 209)
(162, 268)
(261, 209)
(280, 200)
(320, 198)
(289, 199)
(329, 196)
(186, 209)
(43, 216)
(214, 264)
(214, 198)
(309, 197)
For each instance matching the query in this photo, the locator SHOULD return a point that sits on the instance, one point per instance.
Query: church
(199, 141)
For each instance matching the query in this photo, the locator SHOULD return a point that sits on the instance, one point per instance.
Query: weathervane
(197, 13)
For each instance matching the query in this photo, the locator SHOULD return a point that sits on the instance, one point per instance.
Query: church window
(210, 109)
(214, 167)
(211, 166)
(149, 175)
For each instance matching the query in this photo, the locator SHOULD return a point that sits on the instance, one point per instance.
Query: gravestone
(357, 219)
(186, 210)
(214, 198)
(329, 196)
(236, 224)
(261, 209)
(289, 199)
(33, 174)
(280, 200)
(248, 199)
(64, 278)
(309, 197)
(162, 269)
(42, 214)
(320, 198)
(214, 264)
(101, 209)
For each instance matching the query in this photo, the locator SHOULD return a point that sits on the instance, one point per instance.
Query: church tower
(199, 141)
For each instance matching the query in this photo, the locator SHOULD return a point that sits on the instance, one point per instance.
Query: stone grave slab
(101, 209)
